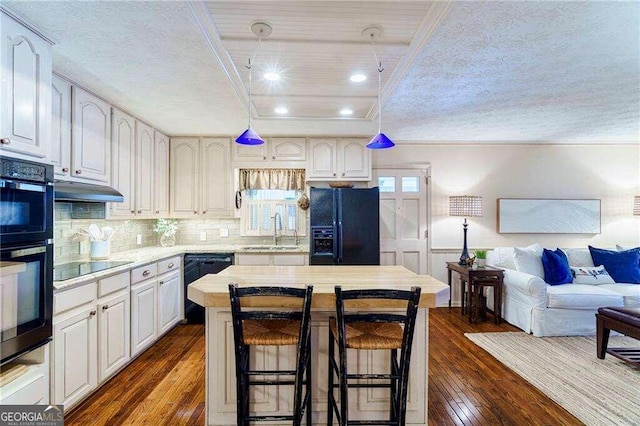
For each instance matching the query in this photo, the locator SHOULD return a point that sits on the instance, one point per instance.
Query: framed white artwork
(548, 216)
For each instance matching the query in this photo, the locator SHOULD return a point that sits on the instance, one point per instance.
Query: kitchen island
(212, 292)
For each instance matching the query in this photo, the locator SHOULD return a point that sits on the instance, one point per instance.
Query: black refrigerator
(345, 226)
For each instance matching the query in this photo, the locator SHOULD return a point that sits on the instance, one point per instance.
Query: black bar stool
(272, 328)
(371, 331)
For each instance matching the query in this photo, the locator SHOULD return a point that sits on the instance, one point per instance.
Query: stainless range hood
(84, 192)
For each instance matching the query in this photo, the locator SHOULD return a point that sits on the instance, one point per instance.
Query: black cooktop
(71, 270)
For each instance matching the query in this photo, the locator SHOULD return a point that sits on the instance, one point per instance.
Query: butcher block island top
(213, 290)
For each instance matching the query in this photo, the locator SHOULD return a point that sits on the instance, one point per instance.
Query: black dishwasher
(197, 265)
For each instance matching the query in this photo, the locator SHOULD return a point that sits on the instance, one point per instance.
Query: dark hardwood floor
(467, 386)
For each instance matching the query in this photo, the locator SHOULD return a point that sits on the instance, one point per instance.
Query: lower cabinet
(265, 259)
(113, 334)
(169, 301)
(144, 329)
(75, 356)
(100, 326)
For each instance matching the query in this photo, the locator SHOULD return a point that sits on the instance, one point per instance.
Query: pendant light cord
(380, 69)
(251, 59)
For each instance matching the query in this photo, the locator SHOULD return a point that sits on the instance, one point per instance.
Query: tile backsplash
(67, 238)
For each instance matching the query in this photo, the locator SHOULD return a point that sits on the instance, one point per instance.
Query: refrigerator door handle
(335, 242)
(340, 243)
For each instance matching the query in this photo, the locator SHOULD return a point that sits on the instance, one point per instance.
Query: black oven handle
(21, 186)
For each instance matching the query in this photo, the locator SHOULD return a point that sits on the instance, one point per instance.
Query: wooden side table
(479, 278)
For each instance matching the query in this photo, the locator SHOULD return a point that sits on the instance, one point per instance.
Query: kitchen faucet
(275, 227)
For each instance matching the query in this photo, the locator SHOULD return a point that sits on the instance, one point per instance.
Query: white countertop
(143, 256)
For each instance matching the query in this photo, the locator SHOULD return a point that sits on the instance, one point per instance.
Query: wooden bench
(622, 320)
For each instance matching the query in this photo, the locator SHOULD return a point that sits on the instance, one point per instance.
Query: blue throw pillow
(556, 267)
(623, 266)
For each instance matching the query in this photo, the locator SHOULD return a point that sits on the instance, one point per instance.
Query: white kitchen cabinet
(60, 155)
(200, 177)
(91, 137)
(273, 150)
(144, 330)
(169, 301)
(145, 147)
(339, 159)
(215, 173)
(133, 170)
(123, 172)
(75, 360)
(113, 333)
(25, 92)
(161, 175)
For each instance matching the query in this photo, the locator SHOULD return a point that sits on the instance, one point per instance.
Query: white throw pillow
(529, 260)
(594, 276)
(579, 257)
(622, 248)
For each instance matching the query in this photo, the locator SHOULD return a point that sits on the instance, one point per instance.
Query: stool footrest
(631, 355)
(271, 373)
(373, 376)
(372, 422)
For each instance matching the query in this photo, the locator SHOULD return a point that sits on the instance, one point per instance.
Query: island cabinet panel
(365, 404)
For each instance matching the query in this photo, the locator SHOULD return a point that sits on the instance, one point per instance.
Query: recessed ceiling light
(358, 78)
(346, 111)
(281, 110)
(272, 76)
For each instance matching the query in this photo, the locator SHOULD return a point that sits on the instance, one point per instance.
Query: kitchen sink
(270, 248)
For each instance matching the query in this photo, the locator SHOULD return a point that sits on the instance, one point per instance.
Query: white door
(168, 302)
(143, 316)
(75, 366)
(403, 218)
(113, 334)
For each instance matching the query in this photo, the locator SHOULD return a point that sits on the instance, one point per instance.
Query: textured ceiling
(479, 71)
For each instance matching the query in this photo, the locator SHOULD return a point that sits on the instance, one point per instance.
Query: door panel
(403, 218)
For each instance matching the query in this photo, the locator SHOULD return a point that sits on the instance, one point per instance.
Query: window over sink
(269, 199)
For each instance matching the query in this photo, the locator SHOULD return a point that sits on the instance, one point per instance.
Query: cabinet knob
(342, 173)
(5, 141)
(78, 172)
(264, 158)
(145, 273)
(204, 212)
(65, 170)
(157, 211)
(170, 265)
(273, 158)
(334, 174)
(105, 307)
(139, 211)
(92, 313)
(133, 211)
(195, 212)
(161, 282)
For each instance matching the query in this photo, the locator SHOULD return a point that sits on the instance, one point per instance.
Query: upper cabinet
(60, 126)
(123, 146)
(140, 169)
(339, 159)
(200, 177)
(276, 150)
(161, 175)
(145, 147)
(25, 94)
(91, 137)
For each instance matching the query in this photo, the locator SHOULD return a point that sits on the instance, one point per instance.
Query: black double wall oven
(26, 263)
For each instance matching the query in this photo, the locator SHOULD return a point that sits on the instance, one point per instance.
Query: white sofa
(556, 310)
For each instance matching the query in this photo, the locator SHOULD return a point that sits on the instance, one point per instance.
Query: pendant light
(249, 136)
(380, 140)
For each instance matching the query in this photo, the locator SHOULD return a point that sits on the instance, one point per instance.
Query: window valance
(284, 179)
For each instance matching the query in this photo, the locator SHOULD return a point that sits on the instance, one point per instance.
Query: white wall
(610, 173)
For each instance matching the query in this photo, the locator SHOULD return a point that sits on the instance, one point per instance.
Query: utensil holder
(100, 250)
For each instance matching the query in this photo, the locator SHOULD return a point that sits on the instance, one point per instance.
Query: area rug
(567, 370)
